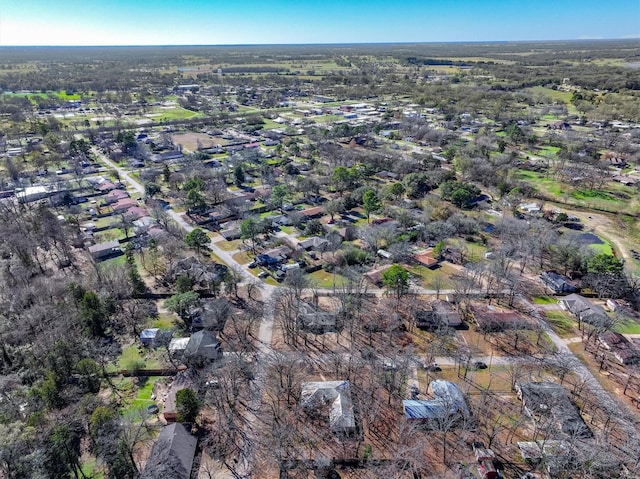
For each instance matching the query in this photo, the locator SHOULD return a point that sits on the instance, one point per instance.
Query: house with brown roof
(106, 186)
(314, 212)
(123, 205)
(375, 275)
(183, 380)
(426, 258)
(115, 195)
(135, 213)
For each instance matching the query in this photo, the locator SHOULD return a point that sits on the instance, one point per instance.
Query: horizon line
(174, 45)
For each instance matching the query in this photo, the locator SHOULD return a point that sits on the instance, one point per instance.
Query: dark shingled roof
(172, 454)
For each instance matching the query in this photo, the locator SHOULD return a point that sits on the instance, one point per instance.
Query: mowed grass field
(614, 198)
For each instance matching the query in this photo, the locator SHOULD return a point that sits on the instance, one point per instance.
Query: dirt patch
(194, 141)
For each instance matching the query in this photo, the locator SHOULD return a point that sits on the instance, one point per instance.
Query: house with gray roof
(202, 347)
(582, 308)
(317, 396)
(546, 400)
(172, 454)
(448, 402)
(105, 250)
(316, 320)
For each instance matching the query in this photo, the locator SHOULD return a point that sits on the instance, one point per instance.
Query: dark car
(480, 365)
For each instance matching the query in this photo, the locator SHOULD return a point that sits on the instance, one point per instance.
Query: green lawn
(325, 280)
(562, 323)
(544, 300)
(170, 114)
(628, 327)
(108, 235)
(90, 468)
(164, 321)
(130, 354)
(430, 278)
(602, 248)
(143, 398)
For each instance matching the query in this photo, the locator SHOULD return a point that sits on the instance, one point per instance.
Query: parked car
(480, 365)
(252, 265)
(433, 367)
(263, 274)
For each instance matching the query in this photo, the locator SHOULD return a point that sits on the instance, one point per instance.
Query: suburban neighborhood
(385, 261)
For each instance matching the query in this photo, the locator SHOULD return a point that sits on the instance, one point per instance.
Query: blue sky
(184, 22)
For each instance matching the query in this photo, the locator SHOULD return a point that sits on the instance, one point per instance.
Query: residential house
(143, 224)
(557, 283)
(551, 452)
(582, 308)
(105, 250)
(177, 347)
(172, 454)
(114, 196)
(123, 205)
(314, 212)
(622, 349)
(335, 395)
(547, 400)
(315, 320)
(437, 315)
(186, 379)
(426, 258)
(168, 156)
(530, 208)
(280, 253)
(202, 347)
(202, 274)
(33, 193)
(492, 321)
(135, 213)
(387, 175)
(106, 186)
(231, 234)
(313, 243)
(375, 276)
(448, 401)
(559, 125)
(626, 180)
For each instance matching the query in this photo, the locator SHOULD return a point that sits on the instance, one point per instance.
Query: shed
(148, 336)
